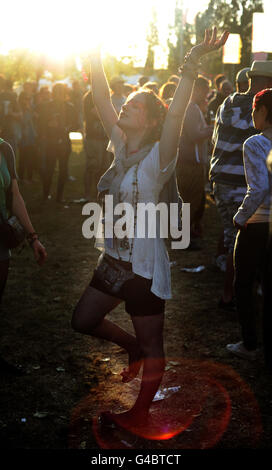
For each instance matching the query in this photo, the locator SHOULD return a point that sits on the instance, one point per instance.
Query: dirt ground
(210, 399)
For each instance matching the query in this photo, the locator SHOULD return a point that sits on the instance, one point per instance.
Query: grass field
(222, 402)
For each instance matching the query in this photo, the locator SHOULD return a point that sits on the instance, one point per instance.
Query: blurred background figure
(57, 120)
(128, 88)
(174, 79)
(154, 86)
(27, 149)
(217, 97)
(10, 115)
(142, 80)
(117, 96)
(43, 96)
(2, 82)
(226, 89)
(192, 161)
(241, 81)
(75, 97)
(31, 90)
(167, 91)
(95, 144)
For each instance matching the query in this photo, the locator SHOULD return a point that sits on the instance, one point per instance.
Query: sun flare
(61, 28)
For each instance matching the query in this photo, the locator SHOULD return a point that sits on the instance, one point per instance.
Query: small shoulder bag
(12, 233)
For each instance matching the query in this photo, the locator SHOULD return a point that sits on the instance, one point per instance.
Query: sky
(61, 27)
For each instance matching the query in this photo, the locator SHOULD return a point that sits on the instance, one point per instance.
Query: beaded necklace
(124, 243)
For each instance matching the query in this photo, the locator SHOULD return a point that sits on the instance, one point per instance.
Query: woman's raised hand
(210, 43)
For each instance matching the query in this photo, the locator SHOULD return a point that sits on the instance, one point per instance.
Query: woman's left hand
(210, 43)
(39, 252)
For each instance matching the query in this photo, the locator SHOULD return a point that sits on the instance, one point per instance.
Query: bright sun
(63, 27)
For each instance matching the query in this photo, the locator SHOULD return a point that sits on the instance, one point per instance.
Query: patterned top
(255, 207)
(149, 255)
(233, 126)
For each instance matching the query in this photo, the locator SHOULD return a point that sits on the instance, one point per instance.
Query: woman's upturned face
(133, 113)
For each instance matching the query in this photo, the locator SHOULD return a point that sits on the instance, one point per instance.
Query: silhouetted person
(27, 149)
(9, 115)
(95, 144)
(241, 80)
(218, 98)
(191, 167)
(57, 120)
(117, 97)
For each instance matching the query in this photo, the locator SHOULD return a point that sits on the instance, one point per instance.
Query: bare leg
(88, 318)
(149, 333)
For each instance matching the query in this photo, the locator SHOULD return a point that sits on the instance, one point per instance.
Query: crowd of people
(37, 120)
(212, 138)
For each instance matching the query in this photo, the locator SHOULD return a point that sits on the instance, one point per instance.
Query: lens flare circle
(209, 402)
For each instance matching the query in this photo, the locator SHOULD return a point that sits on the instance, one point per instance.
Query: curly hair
(167, 90)
(156, 110)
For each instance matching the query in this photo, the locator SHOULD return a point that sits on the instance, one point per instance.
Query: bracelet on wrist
(190, 67)
(31, 237)
(33, 240)
(188, 58)
(189, 70)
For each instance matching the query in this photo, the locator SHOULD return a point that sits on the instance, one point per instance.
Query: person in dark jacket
(193, 156)
(217, 99)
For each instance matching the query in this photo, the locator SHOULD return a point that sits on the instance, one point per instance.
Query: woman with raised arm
(144, 140)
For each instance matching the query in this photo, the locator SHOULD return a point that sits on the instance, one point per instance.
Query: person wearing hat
(117, 97)
(233, 126)
(241, 80)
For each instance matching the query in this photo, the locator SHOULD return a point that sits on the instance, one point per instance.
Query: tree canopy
(236, 16)
(233, 15)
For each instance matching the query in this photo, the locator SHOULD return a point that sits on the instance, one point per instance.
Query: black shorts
(136, 292)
